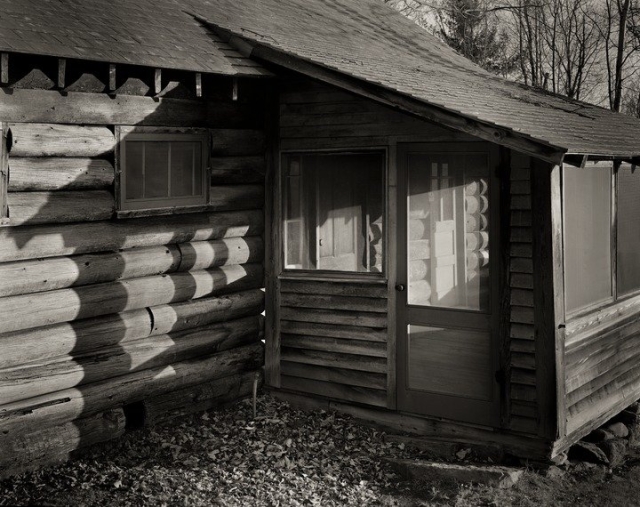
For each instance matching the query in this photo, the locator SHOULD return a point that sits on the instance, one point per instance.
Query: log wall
(104, 318)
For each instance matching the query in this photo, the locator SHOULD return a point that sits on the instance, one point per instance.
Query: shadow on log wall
(105, 321)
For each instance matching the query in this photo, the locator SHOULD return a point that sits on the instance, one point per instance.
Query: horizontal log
(52, 174)
(332, 359)
(339, 345)
(201, 397)
(208, 254)
(333, 330)
(337, 375)
(237, 170)
(26, 277)
(419, 249)
(65, 305)
(331, 288)
(334, 317)
(347, 303)
(48, 446)
(82, 336)
(30, 208)
(236, 197)
(336, 391)
(36, 379)
(70, 404)
(58, 240)
(28, 106)
(231, 143)
(51, 140)
(521, 235)
(205, 311)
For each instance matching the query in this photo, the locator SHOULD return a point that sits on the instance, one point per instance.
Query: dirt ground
(286, 457)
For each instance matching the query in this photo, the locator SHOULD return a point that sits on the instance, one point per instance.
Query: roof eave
(484, 130)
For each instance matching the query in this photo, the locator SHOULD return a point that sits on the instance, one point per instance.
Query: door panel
(447, 319)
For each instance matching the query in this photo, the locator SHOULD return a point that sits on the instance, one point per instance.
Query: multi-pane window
(595, 237)
(334, 211)
(162, 170)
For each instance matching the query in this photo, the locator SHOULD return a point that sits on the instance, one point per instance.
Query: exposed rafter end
(4, 68)
(198, 84)
(157, 80)
(576, 160)
(234, 93)
(62, 71)
(112, 78)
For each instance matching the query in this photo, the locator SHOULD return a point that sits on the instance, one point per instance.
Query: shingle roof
(368, 40)
(154, 33)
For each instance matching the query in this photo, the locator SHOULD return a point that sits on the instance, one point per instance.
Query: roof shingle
(368, 40)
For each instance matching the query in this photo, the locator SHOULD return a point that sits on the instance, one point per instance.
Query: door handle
(400, 287)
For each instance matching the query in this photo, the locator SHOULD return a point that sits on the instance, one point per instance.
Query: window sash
(145, 202)
(289, 225)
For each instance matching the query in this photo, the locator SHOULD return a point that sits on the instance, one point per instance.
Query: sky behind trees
(583, 49)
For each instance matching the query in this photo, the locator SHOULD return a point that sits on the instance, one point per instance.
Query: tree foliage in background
(583, 49)
(471, 28)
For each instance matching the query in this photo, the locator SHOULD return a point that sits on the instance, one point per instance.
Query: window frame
(326, 274)
(160, 205)
(615, 297)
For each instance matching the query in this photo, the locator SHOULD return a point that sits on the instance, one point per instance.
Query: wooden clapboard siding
(333, 339)
(100, 311)
(521, 360)
(314, 115)
(602, 366)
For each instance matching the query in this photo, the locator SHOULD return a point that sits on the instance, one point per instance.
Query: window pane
(448, 230)
(628, 229)
(587, 235)
(182, 165)
(134, 178)
(333, 212)
(156, 169)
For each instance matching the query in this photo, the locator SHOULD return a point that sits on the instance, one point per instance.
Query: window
(592, 234)
(162, 170)
(628, 233)
(334, 211)
(587, 232)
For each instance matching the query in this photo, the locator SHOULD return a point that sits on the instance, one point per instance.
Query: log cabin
(443, 252)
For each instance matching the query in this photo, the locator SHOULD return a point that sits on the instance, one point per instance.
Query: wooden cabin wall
(521, 362)
(103, 319)
(337, 337)
(602, 366)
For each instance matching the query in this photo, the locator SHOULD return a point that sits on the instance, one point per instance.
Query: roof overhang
(392, 98)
